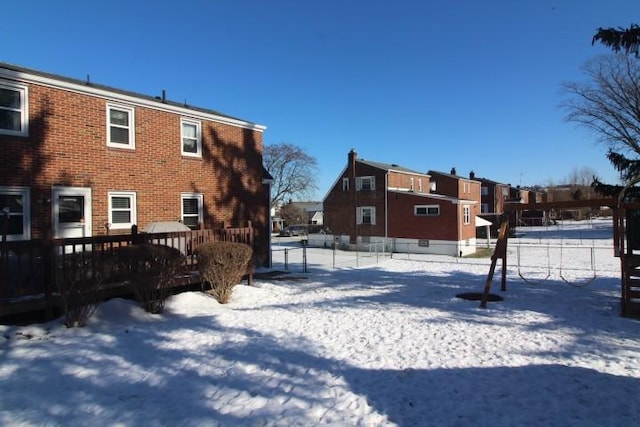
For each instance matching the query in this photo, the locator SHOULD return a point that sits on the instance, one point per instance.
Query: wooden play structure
(626, 239)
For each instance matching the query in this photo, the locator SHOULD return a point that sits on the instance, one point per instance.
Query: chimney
(453, 171)
(352, 160)
(472, 175)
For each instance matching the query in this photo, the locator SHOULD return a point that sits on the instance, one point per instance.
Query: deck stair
(631, 286)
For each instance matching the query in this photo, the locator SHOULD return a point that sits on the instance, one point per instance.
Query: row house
(82, 159)
(372, 202)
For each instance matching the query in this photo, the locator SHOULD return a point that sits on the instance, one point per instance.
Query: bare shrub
(222, 265)
(79, 278)
(150, 270)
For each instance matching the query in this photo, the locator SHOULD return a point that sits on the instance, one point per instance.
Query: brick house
(81, 159)
(374, 202)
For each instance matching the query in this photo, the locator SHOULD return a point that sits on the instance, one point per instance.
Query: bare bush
(79, 278)
(222, 265)
(150, 269)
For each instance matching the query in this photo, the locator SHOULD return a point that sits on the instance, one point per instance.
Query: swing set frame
(623, 248)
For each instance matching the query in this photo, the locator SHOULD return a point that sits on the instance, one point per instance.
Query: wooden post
(499, 252)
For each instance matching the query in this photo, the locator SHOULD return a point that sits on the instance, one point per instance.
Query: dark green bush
(222, 265)
(150, 269)
(79, 277)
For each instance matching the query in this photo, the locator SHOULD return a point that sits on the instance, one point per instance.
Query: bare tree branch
(293, 170)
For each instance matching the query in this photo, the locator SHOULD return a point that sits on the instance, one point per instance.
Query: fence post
(49, 266)
(286, 259)
(304, 255)
(134, 234)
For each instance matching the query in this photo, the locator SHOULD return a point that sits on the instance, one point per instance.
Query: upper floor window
(365, 183)
(191, 138)
(345, 184)
(484, 191)
(366, 215)
(419, 185)
(466, 188)
(484, 208)
(120, 127)
(426, 210)
(122, 209)
(14, 114)
(14, 207)
(466, 213)
(192, 210)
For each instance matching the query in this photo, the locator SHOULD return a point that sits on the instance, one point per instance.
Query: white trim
(198, 125)
(24, 108)
(118, 97)
(130, 128)
(426, 207)
(25, 192)
(360, 215)
(200, 199)
(72, 191)
(131, 195)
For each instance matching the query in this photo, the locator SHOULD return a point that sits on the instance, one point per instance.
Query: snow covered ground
(384, 343)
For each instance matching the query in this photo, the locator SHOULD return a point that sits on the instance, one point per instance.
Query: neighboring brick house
(374, 202)
(81, 159)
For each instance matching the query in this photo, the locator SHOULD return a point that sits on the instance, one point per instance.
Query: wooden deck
(28, 276)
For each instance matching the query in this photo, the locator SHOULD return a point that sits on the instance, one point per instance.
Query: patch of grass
(481, 253)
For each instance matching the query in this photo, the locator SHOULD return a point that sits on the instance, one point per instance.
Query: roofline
(26, 75)
(378, 165)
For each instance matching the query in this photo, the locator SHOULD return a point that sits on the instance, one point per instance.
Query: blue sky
(428, 85)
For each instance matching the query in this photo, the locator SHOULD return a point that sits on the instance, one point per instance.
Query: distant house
(81, 159)
(374, 203)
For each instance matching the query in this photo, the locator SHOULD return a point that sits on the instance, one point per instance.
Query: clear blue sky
(426, 84)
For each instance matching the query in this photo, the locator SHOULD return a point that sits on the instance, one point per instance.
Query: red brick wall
(407, 225)
(67, 146)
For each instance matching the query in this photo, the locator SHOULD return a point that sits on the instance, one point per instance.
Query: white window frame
(410, 183)
(200, 199)
(198, 138)
(466, 215)
(426, 208)
(345, 184)
(360, 180)
(25, 193)
(23, 109)
(419, 185)
(131, 127)
(360, 210)
(131, 195)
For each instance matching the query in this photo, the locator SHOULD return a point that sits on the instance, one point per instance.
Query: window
(426, 210)
(365, 183)
(466, 188)
(345, 184)
(14, 207)
(192, 208)
(466, 213)
(419, 185)
(484, 208)
(411, 184)
(120, 125)
(484, 191)
(191, 138)
(14, 112)
(122, 210)
(366, 215)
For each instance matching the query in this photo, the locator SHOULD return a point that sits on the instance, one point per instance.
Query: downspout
(386, 210)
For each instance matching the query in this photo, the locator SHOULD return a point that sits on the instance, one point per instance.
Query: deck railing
(27, 268)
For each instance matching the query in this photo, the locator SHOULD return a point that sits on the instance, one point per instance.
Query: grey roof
(89, 83)
(389, 167)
